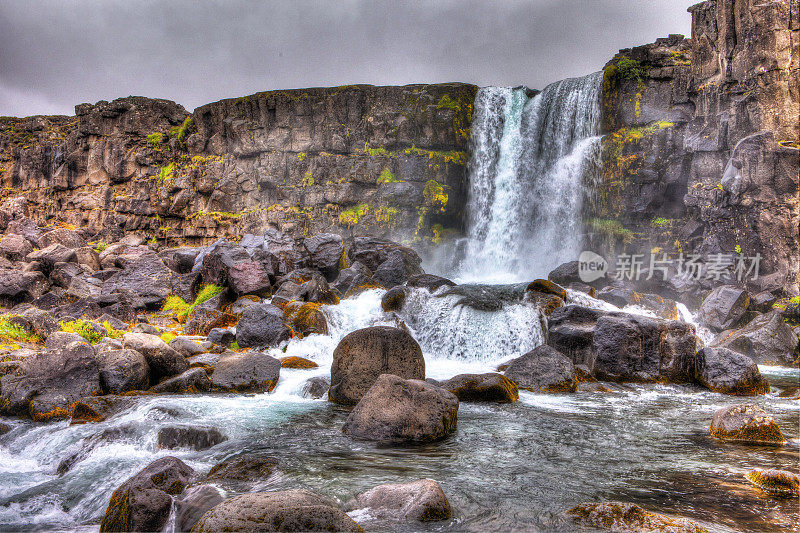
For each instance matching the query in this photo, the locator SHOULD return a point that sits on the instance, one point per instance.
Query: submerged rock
(490, 387)
(247, 468)
(289, 510)
(620, 516)
(544, 369)
(364, 354)
(403, 411)
(422, 500)
(144, 501)
(316, 387)
(394, 299)
(746, 423)
(780, 483)
(729, 372)
(194, 437)
(297, 362)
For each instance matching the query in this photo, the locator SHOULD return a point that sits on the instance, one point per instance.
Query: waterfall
(533, 162)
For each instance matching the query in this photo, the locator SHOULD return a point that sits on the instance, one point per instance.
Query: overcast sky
(55, 54)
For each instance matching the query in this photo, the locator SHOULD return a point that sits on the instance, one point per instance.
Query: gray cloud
(55, 54)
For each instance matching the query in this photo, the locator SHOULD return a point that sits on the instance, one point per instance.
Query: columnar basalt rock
(351, 160)
(702, 148)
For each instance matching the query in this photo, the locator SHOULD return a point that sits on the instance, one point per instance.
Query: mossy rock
(746, 423)
(297, 362)
(780, 483)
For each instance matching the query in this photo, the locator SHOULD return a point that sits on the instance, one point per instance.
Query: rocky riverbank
(87, 328)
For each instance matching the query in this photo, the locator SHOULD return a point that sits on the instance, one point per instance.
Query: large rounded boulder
(162, 360)
(123, 371)
(729, 372)
(288, 510)
(403, 411)
(746, 423)
(422, 500)
(365, 354)
(544, 369)
(144, 501)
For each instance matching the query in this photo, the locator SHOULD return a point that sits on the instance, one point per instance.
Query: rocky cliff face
(703, 148)
(352, 160)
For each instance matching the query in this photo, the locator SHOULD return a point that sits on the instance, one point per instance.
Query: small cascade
(534, 162)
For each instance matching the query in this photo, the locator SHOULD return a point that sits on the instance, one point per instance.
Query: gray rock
(15, 247)
(249, 371)
(746, 423)
(289, 510)
(325, 252)
(144, 501)
(400, 411)
(544, 369)
(366, 353)
(122, 371)
(222, 337)
(316, 387)
(162, 360)
(192, 381)
(765, 339)
(47, 385)
(52, 254)
(194, 437)
(186, 346)
(66, 237)
(724, 308)
(397, 269)
(193, 504)
(422, 500)
(729, 372)
(489, 387)
(261, 325)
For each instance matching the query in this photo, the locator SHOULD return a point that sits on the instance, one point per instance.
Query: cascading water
(534, 160)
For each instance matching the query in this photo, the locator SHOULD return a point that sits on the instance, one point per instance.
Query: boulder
(194, 437)
(620, 516)
(15, 247)
(39, 322)
(544, 369)
(567, 273)
(191, 381)
(17, 286)
(144, 501)
(394, 299)
(261, 325)
(306, 318)
(230, 265)
(316, 387)
(780, 483)
(222, 337)
(746, 423)
(66, 237)
(371, 252)
(422, 500)
(147, 277)
(50, 255)
(571, 332)
(205, 317)
(488, 387)
(354, 279)
(122, 371)
(243, 468)
(288, 510)
(765, 339)
(403, 411)
(325, 253)
(88, 257)
(729, 372)
(366, 353)
(186, 346)
(47, 385)
(723, 308)
(180, 260)
(163, 361)
(297, 362)
(642, 349)
(397, 268)
(193, 504)
(248, 371)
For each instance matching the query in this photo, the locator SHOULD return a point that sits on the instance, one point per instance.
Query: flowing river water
(508, 467)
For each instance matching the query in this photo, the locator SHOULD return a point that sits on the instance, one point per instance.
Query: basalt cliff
(701, 152)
